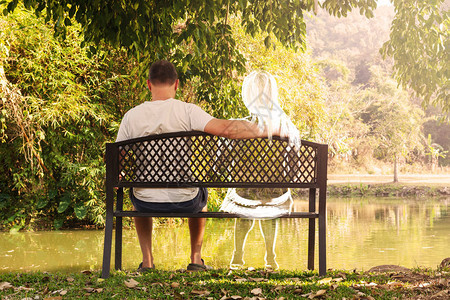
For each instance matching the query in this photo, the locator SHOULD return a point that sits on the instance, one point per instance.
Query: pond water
(361, 233)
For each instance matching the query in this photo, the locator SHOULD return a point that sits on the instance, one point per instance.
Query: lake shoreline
(409, 185)
(388, 190)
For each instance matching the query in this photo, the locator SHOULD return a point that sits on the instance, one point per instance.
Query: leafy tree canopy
(159, 29)
(419, 42)
(195, 35)
(149, 25)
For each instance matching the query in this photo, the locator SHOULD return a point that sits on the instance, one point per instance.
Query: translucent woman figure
(260, 96)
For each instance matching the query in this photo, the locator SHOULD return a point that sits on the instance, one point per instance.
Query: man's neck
(161, 98)
(162, 94)
(162, 91)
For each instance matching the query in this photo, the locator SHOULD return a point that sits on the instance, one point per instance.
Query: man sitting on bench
(164, 114)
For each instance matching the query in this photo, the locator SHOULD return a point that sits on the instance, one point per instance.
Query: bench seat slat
(206, 215)
(218, 185)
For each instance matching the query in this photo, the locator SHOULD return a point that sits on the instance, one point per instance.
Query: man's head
(162, 80)
(162, 72)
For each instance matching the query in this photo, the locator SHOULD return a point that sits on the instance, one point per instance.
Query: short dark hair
(162, 72)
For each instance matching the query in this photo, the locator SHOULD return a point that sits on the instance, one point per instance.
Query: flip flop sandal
(145, 269)
(198, 267)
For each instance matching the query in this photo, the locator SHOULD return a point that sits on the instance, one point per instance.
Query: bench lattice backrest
(199, 159)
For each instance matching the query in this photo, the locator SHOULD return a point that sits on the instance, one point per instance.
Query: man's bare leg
(197, 231)
(144, 227)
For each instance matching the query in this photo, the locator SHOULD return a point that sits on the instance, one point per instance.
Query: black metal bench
(197, 159)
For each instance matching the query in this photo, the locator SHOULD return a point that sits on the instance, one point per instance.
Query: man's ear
(149, 85)
(176, 84)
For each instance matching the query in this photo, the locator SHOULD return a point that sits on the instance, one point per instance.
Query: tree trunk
(395, 169)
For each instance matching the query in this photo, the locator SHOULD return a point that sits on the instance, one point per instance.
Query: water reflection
(268, 229)
(66, 250)
(361, 233)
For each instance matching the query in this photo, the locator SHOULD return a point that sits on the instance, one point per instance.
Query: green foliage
(435, 151)
(347, 53)
(343, 130)
(440, 134)
(341, 8)
(56, 117)
(374, 121)
(215, 197)
(301, 90)
(393, 119)
(419, 42)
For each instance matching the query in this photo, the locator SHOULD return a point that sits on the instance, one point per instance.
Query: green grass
(213, 284)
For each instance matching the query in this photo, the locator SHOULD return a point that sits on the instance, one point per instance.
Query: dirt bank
(411, 185)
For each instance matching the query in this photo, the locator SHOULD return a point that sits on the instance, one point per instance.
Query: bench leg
(311, 229)
(118, 244)
(107, 243)
(322, 247)
(118, 240)
(322, 233)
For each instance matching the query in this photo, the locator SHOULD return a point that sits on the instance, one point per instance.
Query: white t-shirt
(162, 116)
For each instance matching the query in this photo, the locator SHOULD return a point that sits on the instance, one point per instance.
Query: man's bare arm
(234, 129)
